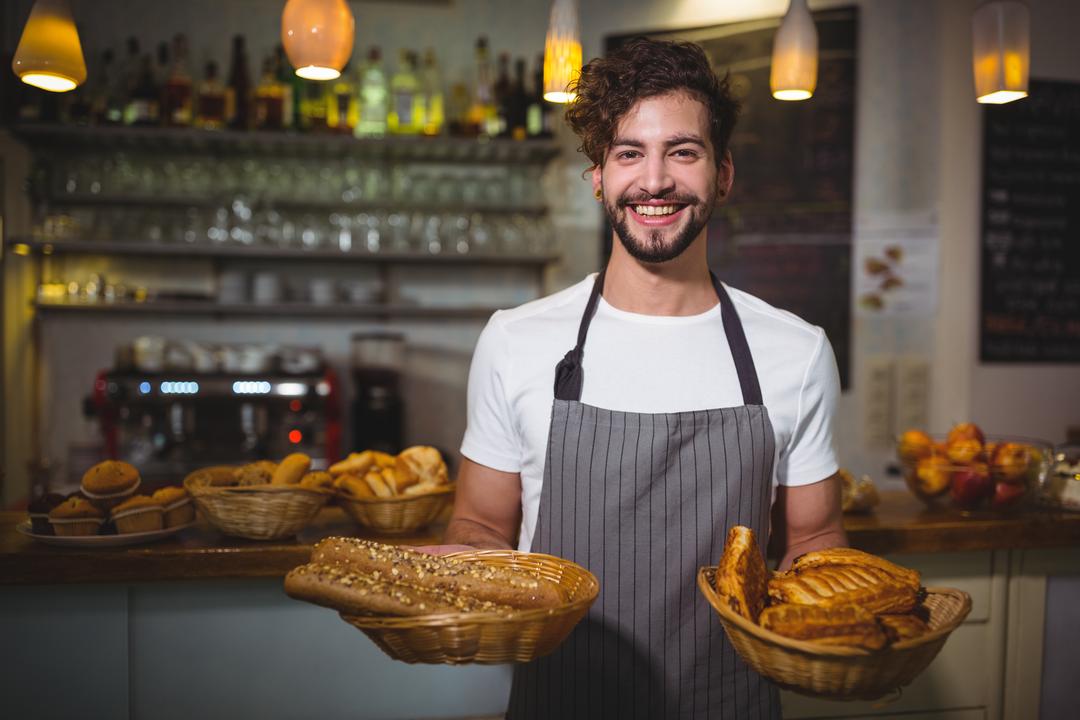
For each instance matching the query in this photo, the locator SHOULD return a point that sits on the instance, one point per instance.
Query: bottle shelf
(146, 249)
(284, 311)
(392, 148)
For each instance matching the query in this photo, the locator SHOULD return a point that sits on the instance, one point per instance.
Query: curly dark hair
(608, 88)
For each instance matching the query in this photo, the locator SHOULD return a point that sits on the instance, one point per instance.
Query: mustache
(674, 198)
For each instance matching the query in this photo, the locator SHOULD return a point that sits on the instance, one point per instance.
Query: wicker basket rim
(592, 590)
(811, 648)
(440, 490)
(199, 489)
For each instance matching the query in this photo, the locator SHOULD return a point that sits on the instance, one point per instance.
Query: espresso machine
(168, 422)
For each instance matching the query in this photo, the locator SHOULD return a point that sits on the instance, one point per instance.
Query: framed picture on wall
(785, 234)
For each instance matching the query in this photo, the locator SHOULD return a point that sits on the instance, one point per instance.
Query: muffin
(176, 504)
(76, 516)
(39, 511)
(109, 482)
(138, 514)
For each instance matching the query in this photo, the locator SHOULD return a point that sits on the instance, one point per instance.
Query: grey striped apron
(642, 501)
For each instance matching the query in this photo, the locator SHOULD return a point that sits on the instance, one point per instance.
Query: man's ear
(725, 176)
(597, 180)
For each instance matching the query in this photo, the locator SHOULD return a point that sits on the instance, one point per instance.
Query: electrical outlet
(878, 405)
(912, 393)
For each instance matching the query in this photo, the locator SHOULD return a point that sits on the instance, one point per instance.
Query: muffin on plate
(76, 516)
(176, 504)
(138, 514)
(108, 483)
(39, 510)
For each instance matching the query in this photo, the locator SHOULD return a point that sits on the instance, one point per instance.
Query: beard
(651, 247)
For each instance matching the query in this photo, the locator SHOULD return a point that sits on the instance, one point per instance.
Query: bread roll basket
(399, 514)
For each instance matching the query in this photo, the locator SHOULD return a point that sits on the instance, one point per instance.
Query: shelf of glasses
(145, 249)
(193, 140)
(210, 308)
(292, 204)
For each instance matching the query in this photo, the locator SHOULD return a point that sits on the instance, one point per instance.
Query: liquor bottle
(342, 107)
(313, 106)
(457, 111)
(373, 97)
(210, 106)
(482, 117)
(431, 89)
(103, 87)
(501, 92)
(238, 96)
(144, 105)
(406, 109)
(518, 104)
(161, 69)
(538, 123)
(289, 98)
(176, 105)
(130, 68)
(269, 100)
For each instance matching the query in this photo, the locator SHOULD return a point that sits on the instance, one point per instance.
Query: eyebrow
(670, 142)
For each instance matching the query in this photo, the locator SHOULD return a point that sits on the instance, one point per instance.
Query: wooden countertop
(901, 524)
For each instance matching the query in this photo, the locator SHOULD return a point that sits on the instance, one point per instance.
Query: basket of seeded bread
(840, 624)
(393, 494)
(262, 500)
(484, 606)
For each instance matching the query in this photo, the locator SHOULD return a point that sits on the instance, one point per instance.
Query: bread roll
(356, 463)
(397, 480)
(425, 462)
(291, 469)
(256, 473)
(317, 481)
(353, 485)
(378, 485)
(474, 579)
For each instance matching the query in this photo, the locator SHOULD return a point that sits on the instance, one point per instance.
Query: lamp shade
(49, 55)
(318, 37)
(1001, 51)
(562, 52)
(793, 75)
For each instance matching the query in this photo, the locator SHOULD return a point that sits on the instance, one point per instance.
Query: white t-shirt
(645, 364)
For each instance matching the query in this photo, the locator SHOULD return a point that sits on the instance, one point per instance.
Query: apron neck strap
(570, 373)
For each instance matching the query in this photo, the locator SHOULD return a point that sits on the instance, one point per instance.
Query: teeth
(655, 209)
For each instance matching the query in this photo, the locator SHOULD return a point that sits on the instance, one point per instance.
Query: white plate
(93, 541)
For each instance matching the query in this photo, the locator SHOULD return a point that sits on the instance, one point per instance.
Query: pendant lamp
(1001, 51)
(49, 55)
(562, 52)
(795, 55)
(318, 37)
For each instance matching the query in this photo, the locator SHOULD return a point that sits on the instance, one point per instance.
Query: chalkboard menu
(1030, 295)
(785, 233)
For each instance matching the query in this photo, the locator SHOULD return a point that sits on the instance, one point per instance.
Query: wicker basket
(257, 512)
(839, 673)
(457, 638)
(399, 514)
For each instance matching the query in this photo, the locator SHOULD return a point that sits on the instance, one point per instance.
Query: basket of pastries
(840, 624)
(484, 606)
(393, 494)
(262, 500)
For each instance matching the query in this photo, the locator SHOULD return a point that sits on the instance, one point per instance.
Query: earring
(598, 193)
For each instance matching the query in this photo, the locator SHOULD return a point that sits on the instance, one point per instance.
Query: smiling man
(627, 422)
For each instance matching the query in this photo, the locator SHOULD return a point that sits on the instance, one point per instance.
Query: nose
(656, 180)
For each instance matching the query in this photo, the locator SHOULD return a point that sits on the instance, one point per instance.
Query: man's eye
(628, 154)
(684, 153)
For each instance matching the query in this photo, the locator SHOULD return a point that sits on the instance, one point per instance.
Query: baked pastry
(176, 504)
(835, 585)
(378, 484)
(353, 485)
(839, 625)
(425, 462)
(256, 473)
(317, 481)
(851, 556)
(474, 579)
(76, 516)
(902, 627)
(355, 593)
(138, 514)
(360, 463)
(741, 577)
(39, 510)
(108, 482)
(290, 470)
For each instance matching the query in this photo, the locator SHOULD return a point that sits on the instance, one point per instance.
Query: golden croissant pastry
(741, 578)
(902, 627)
(848, 625)
(851, 556)
(835, 585)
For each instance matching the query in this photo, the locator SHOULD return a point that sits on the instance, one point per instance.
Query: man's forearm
(469, 532)
(829, 539)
